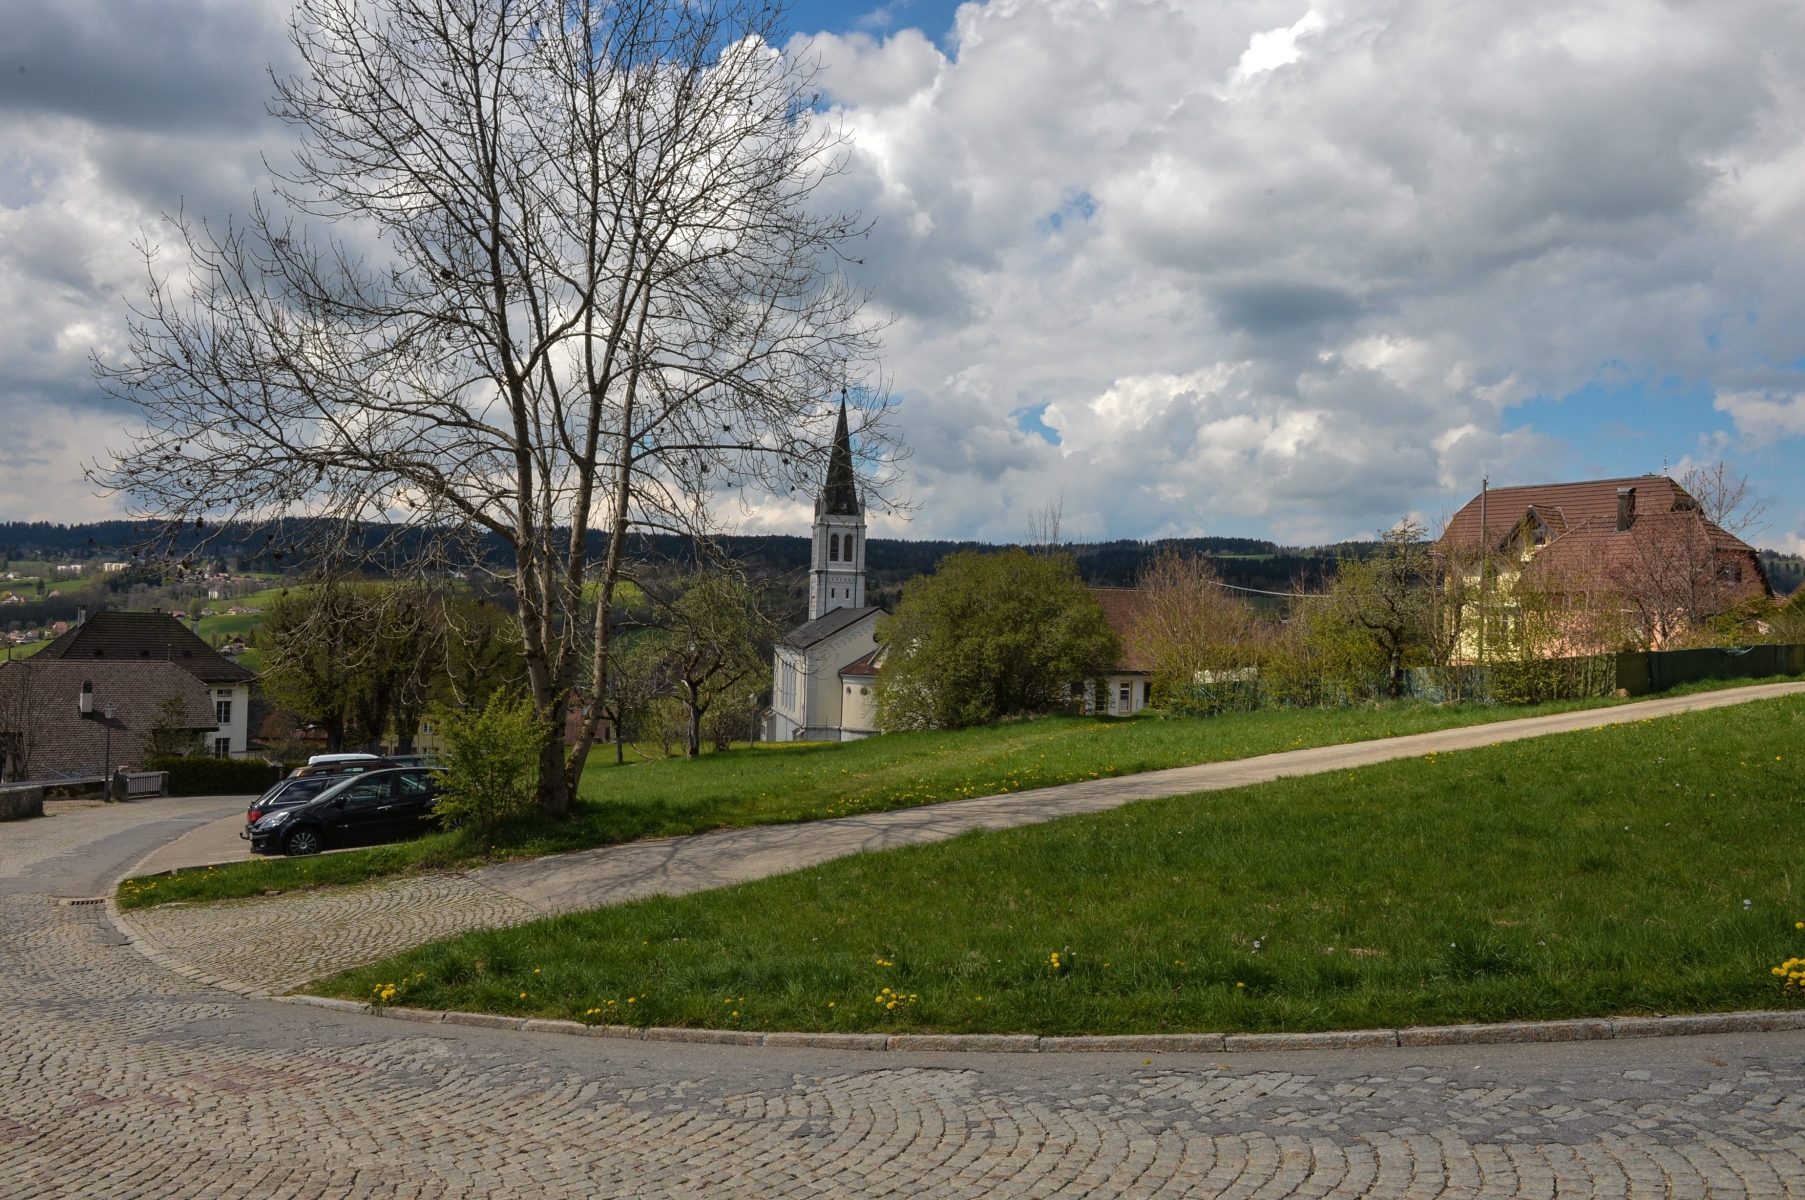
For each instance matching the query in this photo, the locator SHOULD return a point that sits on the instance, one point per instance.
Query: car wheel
(302, 841)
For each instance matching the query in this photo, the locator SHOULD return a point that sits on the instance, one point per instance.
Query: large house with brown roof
(115, 636)
(66, 718)
(1641, 547)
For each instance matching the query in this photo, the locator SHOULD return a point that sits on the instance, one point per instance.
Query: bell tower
(837, 560)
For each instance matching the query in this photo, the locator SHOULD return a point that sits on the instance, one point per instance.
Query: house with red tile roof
(65, 718)
(1641, 547)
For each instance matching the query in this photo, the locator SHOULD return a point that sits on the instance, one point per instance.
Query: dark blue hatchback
(375, 806)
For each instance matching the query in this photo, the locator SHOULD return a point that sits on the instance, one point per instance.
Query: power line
(1262, 592)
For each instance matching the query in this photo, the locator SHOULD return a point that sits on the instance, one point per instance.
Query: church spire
(841, 495)
(837, 577)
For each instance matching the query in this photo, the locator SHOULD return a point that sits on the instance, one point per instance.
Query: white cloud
(1276, 47)
(1765, 414)
(1313, 298)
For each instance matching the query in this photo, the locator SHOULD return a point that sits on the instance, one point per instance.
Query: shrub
(217, 776)
(490, 766)
(988, 636)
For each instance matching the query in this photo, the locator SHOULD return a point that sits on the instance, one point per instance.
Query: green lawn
(1634, 869)
(773, 784)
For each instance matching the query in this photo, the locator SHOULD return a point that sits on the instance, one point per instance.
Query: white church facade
(824, 670)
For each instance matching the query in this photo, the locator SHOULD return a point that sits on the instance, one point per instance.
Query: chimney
(81, 615)
(86, 704)
(1626, 508)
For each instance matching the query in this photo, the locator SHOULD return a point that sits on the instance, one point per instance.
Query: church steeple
(837, 574)
(841, 495)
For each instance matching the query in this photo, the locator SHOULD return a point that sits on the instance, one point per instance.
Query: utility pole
(1485, 558)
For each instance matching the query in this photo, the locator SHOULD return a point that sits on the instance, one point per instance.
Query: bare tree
(711, 635)
(1189, 623)
(1043, 526)
(1388, 597)
(575, 279)
(1673, 577)
(19, 719)
(1725, 499)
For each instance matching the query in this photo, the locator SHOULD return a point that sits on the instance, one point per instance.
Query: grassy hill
(1633, 869)
(782, 784)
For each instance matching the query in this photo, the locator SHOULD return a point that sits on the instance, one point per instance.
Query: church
(822, 676)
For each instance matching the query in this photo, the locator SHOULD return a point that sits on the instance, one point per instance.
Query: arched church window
(833, 548)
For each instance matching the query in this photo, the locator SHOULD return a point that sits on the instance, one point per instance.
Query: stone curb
(1585, 1029)
(1588, 1029)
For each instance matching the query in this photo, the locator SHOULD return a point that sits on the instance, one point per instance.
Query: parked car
(343, 764)
(370, 806)
(296, 789)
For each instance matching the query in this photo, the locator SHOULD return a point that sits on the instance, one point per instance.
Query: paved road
(120, 1079)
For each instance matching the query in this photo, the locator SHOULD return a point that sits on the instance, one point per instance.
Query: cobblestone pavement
(118, 1079)
(281, 942)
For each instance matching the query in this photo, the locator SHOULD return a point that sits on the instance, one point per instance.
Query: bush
(490, 766)
(989, 636)
(218, 776)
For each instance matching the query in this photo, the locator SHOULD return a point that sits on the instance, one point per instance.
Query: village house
(65, 718)
(1640, 550)
(1127, 687)
(143, 638)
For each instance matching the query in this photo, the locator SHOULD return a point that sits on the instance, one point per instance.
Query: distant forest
(1260, 566)
(1253, 564)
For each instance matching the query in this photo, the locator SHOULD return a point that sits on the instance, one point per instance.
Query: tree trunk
(694, 749)
(1396, 672)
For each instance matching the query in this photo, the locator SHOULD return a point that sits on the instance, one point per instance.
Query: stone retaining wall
(19, 802)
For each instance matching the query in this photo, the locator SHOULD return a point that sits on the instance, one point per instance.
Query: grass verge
(1638, 868)
(775, 784)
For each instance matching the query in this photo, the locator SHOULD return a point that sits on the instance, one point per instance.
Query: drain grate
(73, 901)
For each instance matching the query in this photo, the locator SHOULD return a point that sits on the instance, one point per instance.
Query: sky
(1248, 267)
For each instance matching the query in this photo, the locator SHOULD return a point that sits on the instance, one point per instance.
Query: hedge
(218, 776)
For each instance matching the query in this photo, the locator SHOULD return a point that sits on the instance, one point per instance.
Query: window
(1147, 693)
(1127, 699)
(833, 548)
(415, 783)
(222, 747)
(222, 712)
(373, 792)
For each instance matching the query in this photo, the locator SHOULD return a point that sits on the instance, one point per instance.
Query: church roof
(840, 496)
(864, 665)
(826, 625)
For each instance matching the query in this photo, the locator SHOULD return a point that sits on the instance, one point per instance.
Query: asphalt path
(676, 866)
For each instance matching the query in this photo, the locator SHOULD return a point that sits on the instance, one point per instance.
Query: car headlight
(273, 820)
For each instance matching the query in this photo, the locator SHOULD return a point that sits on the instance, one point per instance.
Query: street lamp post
(106, 769)
(85, 706)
